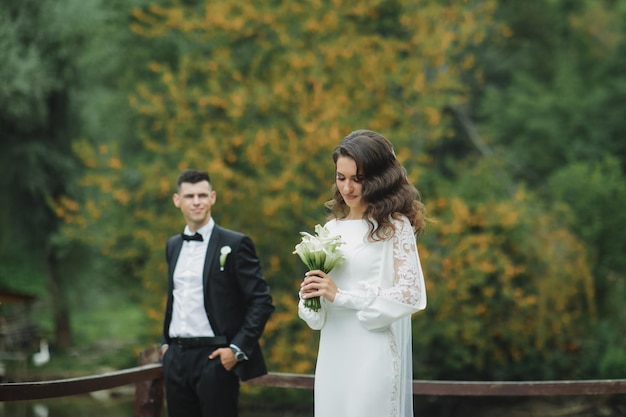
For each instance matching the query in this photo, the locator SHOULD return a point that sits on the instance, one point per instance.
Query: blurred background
(508, 115)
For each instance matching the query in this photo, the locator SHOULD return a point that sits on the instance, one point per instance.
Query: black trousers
(196, 386)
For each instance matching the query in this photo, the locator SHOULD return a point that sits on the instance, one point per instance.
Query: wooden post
(149, 394)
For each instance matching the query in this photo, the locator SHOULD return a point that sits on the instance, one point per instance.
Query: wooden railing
(148, 379)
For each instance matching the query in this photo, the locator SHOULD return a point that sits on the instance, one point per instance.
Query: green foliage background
(507, 116)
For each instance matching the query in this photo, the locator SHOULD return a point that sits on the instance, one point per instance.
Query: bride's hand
(318, 284)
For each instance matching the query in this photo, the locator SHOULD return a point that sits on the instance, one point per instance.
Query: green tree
(509, 285)
(559, 101)
(551, 106)
(37, 122)
(596, 195)
(57, 85)
(259, 94)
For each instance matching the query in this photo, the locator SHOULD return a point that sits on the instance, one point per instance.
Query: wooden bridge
(148, 380)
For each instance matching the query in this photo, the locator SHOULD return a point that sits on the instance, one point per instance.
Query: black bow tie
(197, 237)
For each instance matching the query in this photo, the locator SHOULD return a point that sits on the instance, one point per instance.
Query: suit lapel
(211, 255)
(211, 252)
(175, 252)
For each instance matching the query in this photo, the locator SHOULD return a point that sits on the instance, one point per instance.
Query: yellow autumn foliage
(259, 94)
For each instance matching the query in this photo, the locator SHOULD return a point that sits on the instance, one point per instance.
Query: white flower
(223, 254)
(319, 252)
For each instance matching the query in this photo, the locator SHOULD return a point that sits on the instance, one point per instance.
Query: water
(122, 406)
(88, 406)
(74, 406)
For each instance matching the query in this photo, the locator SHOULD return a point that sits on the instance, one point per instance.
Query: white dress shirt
(189, 317)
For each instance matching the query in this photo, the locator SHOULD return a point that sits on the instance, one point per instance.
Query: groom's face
(195, 201)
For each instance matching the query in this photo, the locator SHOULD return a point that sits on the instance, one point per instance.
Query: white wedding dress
(364, 363)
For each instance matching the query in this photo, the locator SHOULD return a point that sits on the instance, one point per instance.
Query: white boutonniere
(223, 254)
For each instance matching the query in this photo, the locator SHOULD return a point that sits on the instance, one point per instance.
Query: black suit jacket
(237, 300)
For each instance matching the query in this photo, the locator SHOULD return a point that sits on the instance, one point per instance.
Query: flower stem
(313, 303)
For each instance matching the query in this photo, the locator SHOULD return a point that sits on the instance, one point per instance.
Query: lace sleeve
(408, 282)
(407, 294)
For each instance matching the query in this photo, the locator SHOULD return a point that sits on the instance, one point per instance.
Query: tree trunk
(60, 309)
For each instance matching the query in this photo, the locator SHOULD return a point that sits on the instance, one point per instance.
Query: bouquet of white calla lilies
(319, 252)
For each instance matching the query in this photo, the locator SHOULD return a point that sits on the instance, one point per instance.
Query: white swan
(43, 356)
(40, 410)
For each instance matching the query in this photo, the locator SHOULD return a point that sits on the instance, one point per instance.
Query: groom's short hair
(193, 176)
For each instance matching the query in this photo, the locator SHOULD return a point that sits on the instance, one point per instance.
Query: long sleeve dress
(364, 363)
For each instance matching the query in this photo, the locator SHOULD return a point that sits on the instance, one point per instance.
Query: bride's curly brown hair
(386, 189)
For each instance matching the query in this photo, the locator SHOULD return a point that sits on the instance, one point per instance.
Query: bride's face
(350, 185)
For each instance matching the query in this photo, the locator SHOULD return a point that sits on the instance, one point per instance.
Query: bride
(364, 362)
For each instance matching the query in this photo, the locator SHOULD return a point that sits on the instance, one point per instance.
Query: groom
(217, 305)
